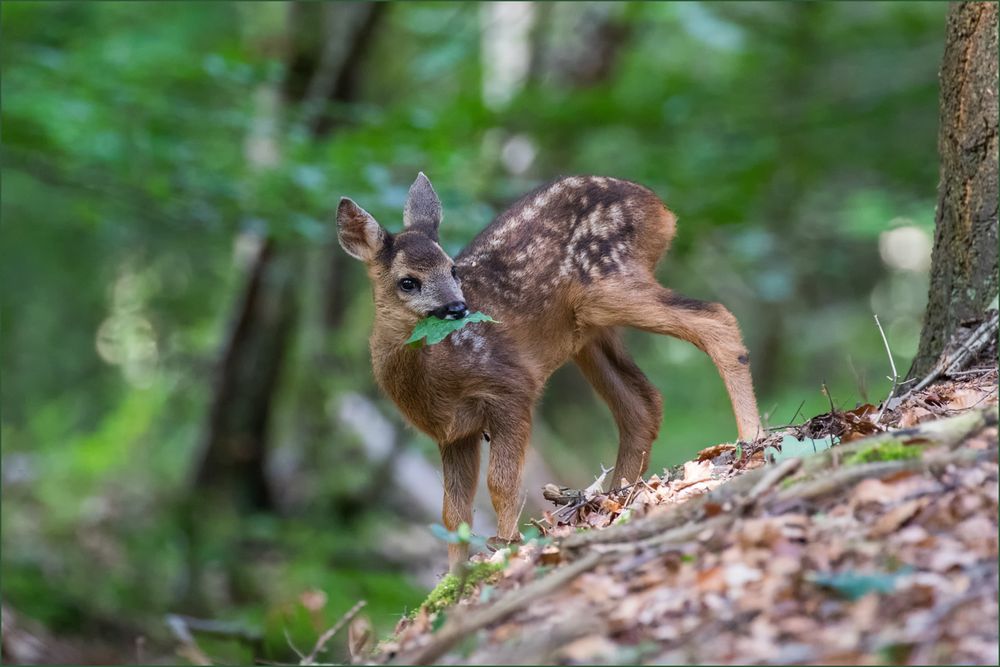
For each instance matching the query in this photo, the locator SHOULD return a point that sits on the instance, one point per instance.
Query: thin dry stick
(766, 417)
(189, 647)
(973, 371)
(860, 381)
(524, 501)
(892, 364)
(328, 635)
(791, 422)
(291, 644)
(973, 343)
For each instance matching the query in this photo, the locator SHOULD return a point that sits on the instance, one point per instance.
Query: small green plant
(854, 585)
(433, 330)
(624, 517)
(461, 535)
(450, 588)
(891, 450)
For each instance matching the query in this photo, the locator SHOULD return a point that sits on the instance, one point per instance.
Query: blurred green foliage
(790, 139)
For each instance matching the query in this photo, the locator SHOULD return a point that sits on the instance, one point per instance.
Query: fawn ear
(423, 208)
(358, 232)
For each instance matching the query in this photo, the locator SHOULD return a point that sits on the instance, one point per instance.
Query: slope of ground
(881, 547)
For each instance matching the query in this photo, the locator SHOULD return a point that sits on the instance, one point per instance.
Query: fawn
(560, 269)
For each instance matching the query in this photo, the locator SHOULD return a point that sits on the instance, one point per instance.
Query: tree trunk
(327, 42)
(964, 264)
(235, 447)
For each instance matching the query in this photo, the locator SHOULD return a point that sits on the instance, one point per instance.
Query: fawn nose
(455, 310)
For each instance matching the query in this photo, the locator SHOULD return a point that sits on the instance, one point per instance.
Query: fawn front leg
(509, 438)
(460, 464)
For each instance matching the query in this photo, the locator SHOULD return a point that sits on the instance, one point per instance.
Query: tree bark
(235, 446)
(964, 264)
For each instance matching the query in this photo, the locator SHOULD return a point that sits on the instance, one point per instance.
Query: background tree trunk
(236, 437)
(964, 265)
(326, 43)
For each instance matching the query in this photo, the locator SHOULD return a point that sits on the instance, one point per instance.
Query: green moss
(891, 450)
(449, 589)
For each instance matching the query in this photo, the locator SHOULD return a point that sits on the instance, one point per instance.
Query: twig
(189, 647)
(862, 385)
(328, 635)
(771, 479)
(215, 628)
(853, 474)
(524, 501)
(973, 371)
(945, 431)
(972, 345)
(829, 397)
(895, 375)
(291, 644)
(766, 418)
(791, 422)
(669, 539)
(540, 648)
(975, 342)
(694, 528)
(461, 625)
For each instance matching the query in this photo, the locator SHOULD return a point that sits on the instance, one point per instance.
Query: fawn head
(409, 269)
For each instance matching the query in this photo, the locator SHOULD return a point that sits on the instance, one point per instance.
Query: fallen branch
(771, 479)
(848, 476)
(540, 648)
(973, 343)
(668, 539)
(689, 531)
(334, 629)
(947, 432)
(460, 626)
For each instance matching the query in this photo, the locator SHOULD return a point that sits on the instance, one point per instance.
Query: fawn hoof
(496, 543)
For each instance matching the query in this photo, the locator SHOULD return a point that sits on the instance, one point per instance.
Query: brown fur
(561, 269)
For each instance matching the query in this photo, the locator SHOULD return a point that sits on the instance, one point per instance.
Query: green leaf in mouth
(435, 330)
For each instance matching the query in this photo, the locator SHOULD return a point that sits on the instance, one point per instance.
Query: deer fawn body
(560, 270)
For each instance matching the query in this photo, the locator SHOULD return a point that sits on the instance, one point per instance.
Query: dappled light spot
(906, 248)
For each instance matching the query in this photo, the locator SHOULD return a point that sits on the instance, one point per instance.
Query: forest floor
(858, 537)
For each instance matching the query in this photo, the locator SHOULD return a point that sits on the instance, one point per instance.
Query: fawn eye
(454, 273)
(409, 284)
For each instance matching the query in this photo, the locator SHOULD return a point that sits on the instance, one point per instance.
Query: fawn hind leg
(510, 435)
(460, 465)
(645, 304)
(635, 403)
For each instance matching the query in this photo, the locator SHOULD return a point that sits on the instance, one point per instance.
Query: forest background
(189, 418)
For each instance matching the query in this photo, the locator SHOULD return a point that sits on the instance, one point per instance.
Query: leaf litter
(886, 559)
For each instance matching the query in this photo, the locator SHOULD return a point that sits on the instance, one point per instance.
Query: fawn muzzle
(455, 310)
